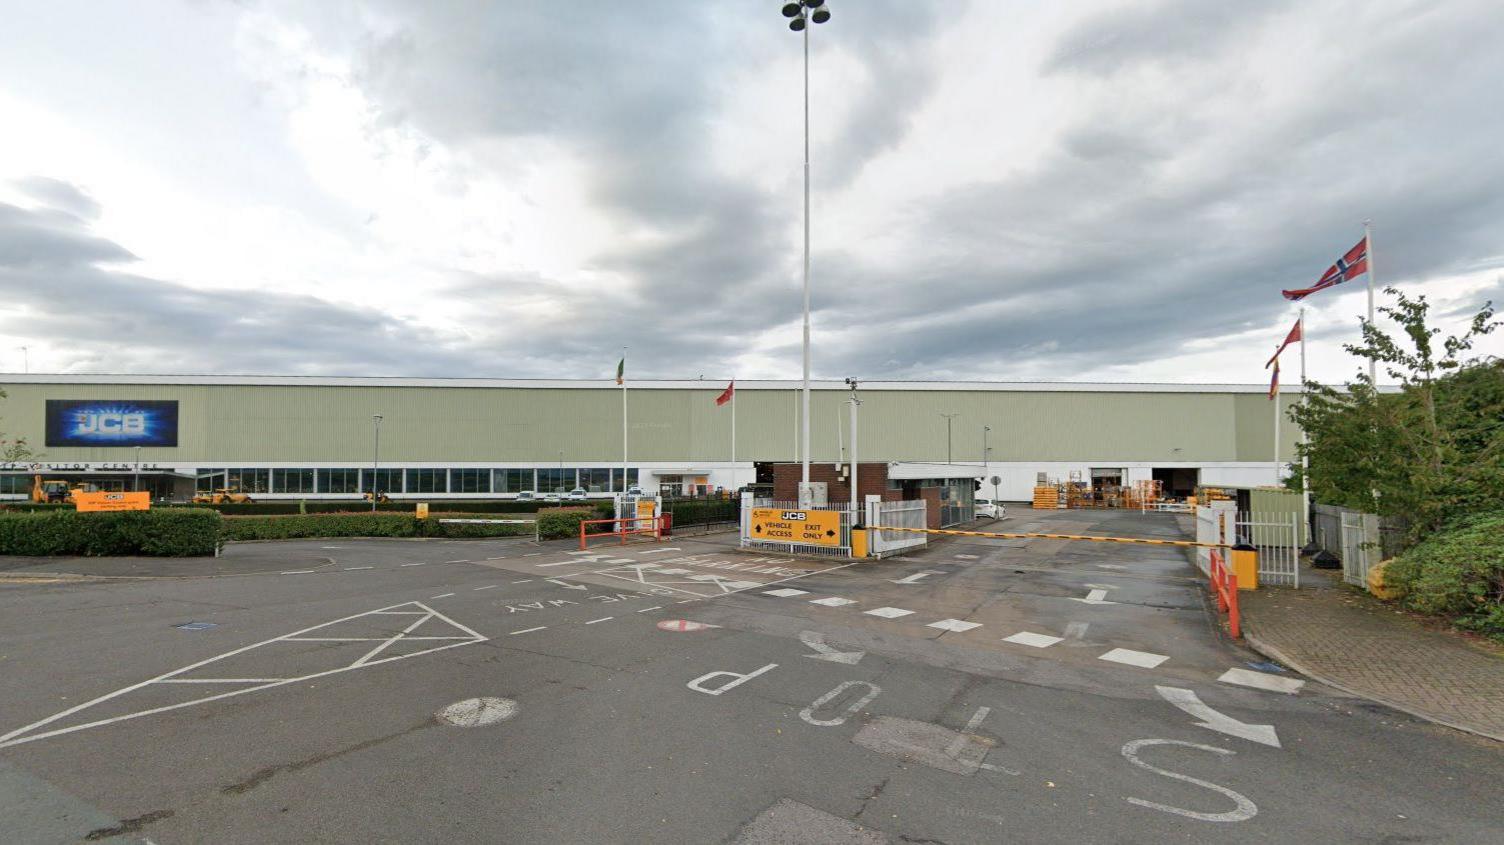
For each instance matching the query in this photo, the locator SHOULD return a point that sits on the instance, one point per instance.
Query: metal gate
(1360, 538)
(910, 514)
(748, 541)
(1277, 538)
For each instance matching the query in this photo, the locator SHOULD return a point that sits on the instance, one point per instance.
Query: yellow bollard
(1245, 566)
(858, 542)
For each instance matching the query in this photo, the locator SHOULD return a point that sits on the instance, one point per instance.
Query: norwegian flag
(1347, 268)
(726, 394)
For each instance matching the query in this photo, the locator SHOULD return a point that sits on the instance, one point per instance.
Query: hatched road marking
(1030, 638)
(833, 601)
(786, 592)
(1261, 680)
(1129, 657)
(954, 625)
(888, 612)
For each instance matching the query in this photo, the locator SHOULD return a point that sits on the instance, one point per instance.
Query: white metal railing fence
(1213, 525)
(1277, 538)
(1359, 538)
(910, 514)
(749, 541)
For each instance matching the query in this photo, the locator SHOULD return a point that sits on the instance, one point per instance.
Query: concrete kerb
(1270, 651)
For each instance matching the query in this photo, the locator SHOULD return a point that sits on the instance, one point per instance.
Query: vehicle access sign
(817, 528)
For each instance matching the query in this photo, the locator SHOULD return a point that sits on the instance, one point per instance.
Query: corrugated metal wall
(327, 423)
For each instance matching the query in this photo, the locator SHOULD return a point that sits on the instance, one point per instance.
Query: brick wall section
(931, 497)
(871, 480)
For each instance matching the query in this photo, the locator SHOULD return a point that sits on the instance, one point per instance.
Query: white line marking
(1261, 680)
(808, 713)
(466, 560)
(359, 639)
(833, 601)
(888, 612)
(220, 680)
(962, 739)
(503, 557)
(914, 579)
(353, 568)
(786, 592)
(967, 557)
(673, 572)
(954, 625)
(1245, 809)
(365, 658)
(1095, 597)
(1186, 700)
(659, 607)
(660, 551)
(424, 563)
(816, 641)
(602, 619)
(443, 595)
(15, 737)
(1129, 657)
(527, 630)
(522, 581)
(1030, 638)
(1110, 566)
(487, 587)
(560, 563)
(297, 572)
(532, 554)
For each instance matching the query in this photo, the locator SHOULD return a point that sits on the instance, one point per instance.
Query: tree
(15, 451)
(1429, 452)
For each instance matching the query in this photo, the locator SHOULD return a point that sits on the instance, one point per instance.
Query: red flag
(1292, 337)
(1274, 382)
(1348, 267)
(726, 394)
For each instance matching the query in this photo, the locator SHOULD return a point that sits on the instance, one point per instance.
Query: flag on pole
(726, 394)
(621, 371)
(1274, 381)
(1292, 337)
(1348, 267)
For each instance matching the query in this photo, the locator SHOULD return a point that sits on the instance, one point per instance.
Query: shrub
(313, 506)
(1457, 572)
(562, 523)
(293, 527)
(164, 532)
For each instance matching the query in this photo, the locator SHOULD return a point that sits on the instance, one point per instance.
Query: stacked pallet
(1046, 497)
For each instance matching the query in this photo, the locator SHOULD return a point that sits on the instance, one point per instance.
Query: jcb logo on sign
(797, 516)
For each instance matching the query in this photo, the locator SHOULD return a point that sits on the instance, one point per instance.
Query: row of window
(415, 480)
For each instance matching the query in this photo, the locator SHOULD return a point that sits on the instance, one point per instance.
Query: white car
(988, 509)
(576, 495)
(527, 496)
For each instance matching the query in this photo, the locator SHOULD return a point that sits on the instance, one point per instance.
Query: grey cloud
(1170, 31)
(60, 195)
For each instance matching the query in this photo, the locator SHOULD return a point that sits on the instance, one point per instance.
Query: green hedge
(355, 505)
(563, 523)
(359, 525)
(167, 532)
(1456, 572)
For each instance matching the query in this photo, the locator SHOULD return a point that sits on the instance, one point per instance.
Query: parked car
(578, 494)
(634, 490)
(527, 496)
(988, 509)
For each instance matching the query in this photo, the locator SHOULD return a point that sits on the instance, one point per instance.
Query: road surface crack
(128, 825)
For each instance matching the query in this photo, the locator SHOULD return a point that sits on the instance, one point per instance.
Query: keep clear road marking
(1261, 680)
(954, 625)
(914, 579)
(1129, 657)
(1220, 722)
(833, 601)
(370, 658)
(1030, 638)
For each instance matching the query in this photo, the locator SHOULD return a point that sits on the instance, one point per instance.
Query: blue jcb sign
(111, 422)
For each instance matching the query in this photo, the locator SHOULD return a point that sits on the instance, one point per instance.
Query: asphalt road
(980, 691)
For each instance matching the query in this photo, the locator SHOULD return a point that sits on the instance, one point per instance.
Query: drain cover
(195, 626)
(477, 712)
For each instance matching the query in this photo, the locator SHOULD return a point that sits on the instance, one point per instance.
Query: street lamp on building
(800, 14)
(948, 418)
(375, 460)
(136, 481)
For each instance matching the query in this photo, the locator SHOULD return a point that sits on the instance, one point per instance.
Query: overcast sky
(1002, 190)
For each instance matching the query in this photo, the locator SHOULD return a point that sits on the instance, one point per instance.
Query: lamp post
(855, 403)
(375, 460)
(948, 418)
(985, 450)
(136, 480)
(800, 13)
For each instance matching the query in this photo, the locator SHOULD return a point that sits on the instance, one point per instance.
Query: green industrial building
(319, 437)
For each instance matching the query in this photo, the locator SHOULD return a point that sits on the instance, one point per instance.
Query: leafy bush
(164, 532)
(562, 523)
(1457, 572)
(299, 526)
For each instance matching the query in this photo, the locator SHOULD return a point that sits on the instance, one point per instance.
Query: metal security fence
(912, 514)
(1360, 546)
(702, 514)
(1277, 538)
(750, 541)
(1215, 523)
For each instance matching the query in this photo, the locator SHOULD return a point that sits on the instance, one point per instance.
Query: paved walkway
(1356, 643)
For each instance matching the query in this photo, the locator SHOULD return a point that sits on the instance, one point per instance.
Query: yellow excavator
(56, 491)
(222, 496)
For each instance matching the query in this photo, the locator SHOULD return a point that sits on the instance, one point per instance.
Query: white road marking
(786, 592)
(1261, 680)
(353, 568)
(527, 630)
(1076, 630)
(466, 560)
(954, 625)
(560, 563)
(1110, 566)
(1095, 597)
(503, 557)
(660, 551)
(673, 572)
(602, 619)
(298, 572)
(1129, 657)
(808, 713)
(532, 554)
(698, 683)
(888, 612)
(219, 680)
(522, 581)
(17, 737)
(1244, 811)
(971, 725)
(487, 587)
(914, 579)
(833, 601)
(566, 585)
(1030, 638)
(966, 557)
(442, 595)
(658, 607)
(1220, 722)
(424, 563)
(816, 641)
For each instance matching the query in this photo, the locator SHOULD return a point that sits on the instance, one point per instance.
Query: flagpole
(624, 482)
(1305, 443)
(733, 431)
(1368, 251)
(1275, 397)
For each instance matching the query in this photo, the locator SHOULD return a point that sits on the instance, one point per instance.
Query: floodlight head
(814, 4)
(790, 9)
(797, 24)
(821, 15)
